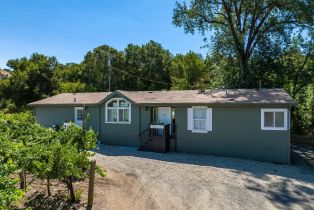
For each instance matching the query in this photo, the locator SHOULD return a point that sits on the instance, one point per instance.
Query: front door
(78, 116)
(164, 115)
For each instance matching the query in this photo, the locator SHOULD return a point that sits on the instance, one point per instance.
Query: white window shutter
(209, 119)
(190, 119)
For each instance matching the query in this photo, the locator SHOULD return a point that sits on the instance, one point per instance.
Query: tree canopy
(242, 28)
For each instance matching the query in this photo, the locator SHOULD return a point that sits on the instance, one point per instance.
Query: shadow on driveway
(256, 168)
(283, 185)
(302, 155)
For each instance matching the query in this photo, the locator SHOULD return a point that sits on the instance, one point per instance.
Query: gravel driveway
(146, 180)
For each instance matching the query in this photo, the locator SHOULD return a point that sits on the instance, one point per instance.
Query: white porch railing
(157, 126)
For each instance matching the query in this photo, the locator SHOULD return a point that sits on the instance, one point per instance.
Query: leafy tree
(70, 87)
(96, 68)
(151, 62)
(9, 193)
(69, 78)
(298, 80)
(189, 72)
(68, 165)
(303, 114)
(26, 146)
(31, 79)
(70, 72)
(223, 70)
(241, 27)
(298, 62)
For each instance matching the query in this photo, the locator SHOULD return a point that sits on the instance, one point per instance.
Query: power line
(140, 77)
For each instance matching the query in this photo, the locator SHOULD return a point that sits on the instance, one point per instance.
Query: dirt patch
(119, 191)
(37, 197)
(111, 192)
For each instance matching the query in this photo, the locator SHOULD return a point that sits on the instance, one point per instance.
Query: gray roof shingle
(73, 99)
(214, 96)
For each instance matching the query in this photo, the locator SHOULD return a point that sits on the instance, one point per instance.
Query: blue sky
(68, 29)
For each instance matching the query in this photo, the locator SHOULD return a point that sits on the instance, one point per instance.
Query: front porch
(160, 134)
(158, 138)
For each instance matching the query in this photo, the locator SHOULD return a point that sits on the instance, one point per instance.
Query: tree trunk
(243, 71)
(22, 184)
(22, 176)
(48, 187)
(69, 184)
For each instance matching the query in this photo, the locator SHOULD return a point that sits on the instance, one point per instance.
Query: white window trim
(285, 119)
(207, 128)
(199, 130)
(117, 108)
(75, 114)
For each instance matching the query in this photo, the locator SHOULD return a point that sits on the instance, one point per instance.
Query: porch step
(155, 145)
(158, 145)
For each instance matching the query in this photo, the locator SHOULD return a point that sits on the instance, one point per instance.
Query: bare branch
(295, 82)
(232, 29)
(256, 30)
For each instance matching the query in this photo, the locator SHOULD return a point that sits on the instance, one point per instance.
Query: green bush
(26, 146)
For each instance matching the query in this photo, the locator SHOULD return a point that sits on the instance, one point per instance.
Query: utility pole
(109, 67)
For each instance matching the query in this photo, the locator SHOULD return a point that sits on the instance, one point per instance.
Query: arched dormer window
(118, 110)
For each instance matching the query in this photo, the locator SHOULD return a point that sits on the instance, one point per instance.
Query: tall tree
(32, 78)
(298, 62)
(69, 78)
(96, 68)
(241, 26)
(148, 62)
(189, 72)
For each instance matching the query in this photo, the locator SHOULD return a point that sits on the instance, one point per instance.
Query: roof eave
(77, 104)
(112, 94)
(217, 104)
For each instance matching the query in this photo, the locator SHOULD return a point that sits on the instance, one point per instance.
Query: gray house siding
(53, 115)
(119, 134)
(93, 120)
(236, 132)
(144, 117)
(57, 115)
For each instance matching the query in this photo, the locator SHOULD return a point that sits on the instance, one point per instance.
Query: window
(79, 114)
(155, 116)
(200, 119)
(118, 111)
(274, 119)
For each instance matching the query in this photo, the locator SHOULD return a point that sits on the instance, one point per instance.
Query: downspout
(84, 117)
(98, 120)
(289, 144)
(139, 125)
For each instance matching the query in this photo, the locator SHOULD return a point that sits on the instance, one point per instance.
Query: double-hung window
(200, 119)
(274, 119)
(118, 110)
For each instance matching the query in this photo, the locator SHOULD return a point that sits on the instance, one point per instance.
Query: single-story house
(4, 74)
(245, 123)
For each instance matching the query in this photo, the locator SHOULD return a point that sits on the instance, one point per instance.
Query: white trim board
(284, 128)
